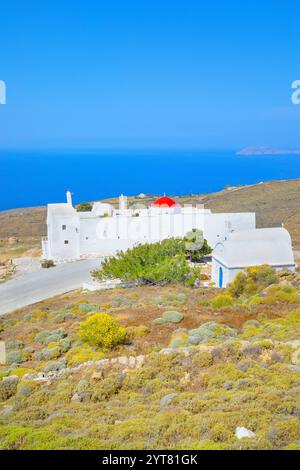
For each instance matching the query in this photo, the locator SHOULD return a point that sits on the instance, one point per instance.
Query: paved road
(33, 287)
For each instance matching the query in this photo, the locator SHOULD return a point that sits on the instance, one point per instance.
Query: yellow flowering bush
(101, 330)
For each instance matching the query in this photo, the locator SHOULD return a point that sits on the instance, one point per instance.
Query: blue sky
(184, 74)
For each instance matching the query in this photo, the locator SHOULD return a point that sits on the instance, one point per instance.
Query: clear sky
(157, 73)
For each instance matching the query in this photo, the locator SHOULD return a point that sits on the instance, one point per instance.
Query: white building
(272, 246)
(105, 230)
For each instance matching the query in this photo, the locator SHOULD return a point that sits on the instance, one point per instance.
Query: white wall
(57, 248)
(88, 233)
(230, 273)
(217, 227)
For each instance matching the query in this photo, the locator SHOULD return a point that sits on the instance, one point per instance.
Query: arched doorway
(220, 277)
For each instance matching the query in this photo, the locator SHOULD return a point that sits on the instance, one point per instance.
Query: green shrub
(195, 245)
(64, 345)
(15, 357)
(172, 316)
(139, 331)
(211, 330)
(170, 298)
(179, 339)
(14, 344)
(87, 308)
(8, 387)
(252, 280)
(280, 293)
(47, 263)
(55, 366)
(161, 262)
(46, 337)
(27, 317)
(79, 355)
(26, 388)
(21, 371)
(181, 297)
(221, 301)
(101, 330)
(59, 318)
(48, 354)
(203, 359)
(284, 431)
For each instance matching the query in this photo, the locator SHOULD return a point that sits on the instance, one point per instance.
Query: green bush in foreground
(101, 330)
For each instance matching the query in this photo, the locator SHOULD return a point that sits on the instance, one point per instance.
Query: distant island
(266, 151)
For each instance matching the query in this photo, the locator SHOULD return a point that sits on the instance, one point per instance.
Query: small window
(64, 227)
(66, 242)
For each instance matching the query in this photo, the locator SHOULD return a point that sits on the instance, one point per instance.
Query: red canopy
(164, 201)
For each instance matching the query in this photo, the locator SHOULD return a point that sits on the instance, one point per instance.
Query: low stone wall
(128, 362)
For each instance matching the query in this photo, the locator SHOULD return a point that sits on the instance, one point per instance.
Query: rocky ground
(274, 202)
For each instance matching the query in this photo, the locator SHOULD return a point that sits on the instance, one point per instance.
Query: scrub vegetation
(98, 371)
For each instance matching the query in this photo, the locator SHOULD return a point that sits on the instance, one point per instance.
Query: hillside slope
(187, 383)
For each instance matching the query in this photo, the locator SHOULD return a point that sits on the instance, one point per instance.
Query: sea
(34, 178)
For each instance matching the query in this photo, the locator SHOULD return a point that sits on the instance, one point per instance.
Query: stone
(241, 433)
(276, 357)
(242, 366)
(186, 379)
(102, 362)
(131, 361)
(227, 385)
(8, 387)
(123, 360)
(167, 399)
(293, 368)
(242, 384)
(77, 398)
(12, 379)
(140, 361)
(6, 410)
(97, 376)
(70, 316)
(252, 350)
(28, 376)
(296, 357)
(294, 344)
(252, 322)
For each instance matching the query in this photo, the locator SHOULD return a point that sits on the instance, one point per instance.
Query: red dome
(164, 201)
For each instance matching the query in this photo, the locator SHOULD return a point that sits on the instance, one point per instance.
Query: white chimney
(69, 197)
(122, 202)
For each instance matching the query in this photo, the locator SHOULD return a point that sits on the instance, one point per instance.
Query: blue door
(220, 277)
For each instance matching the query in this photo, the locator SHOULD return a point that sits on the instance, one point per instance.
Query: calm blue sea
(31, 178)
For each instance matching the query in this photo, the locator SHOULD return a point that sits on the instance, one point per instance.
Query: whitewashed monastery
(105, 230)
